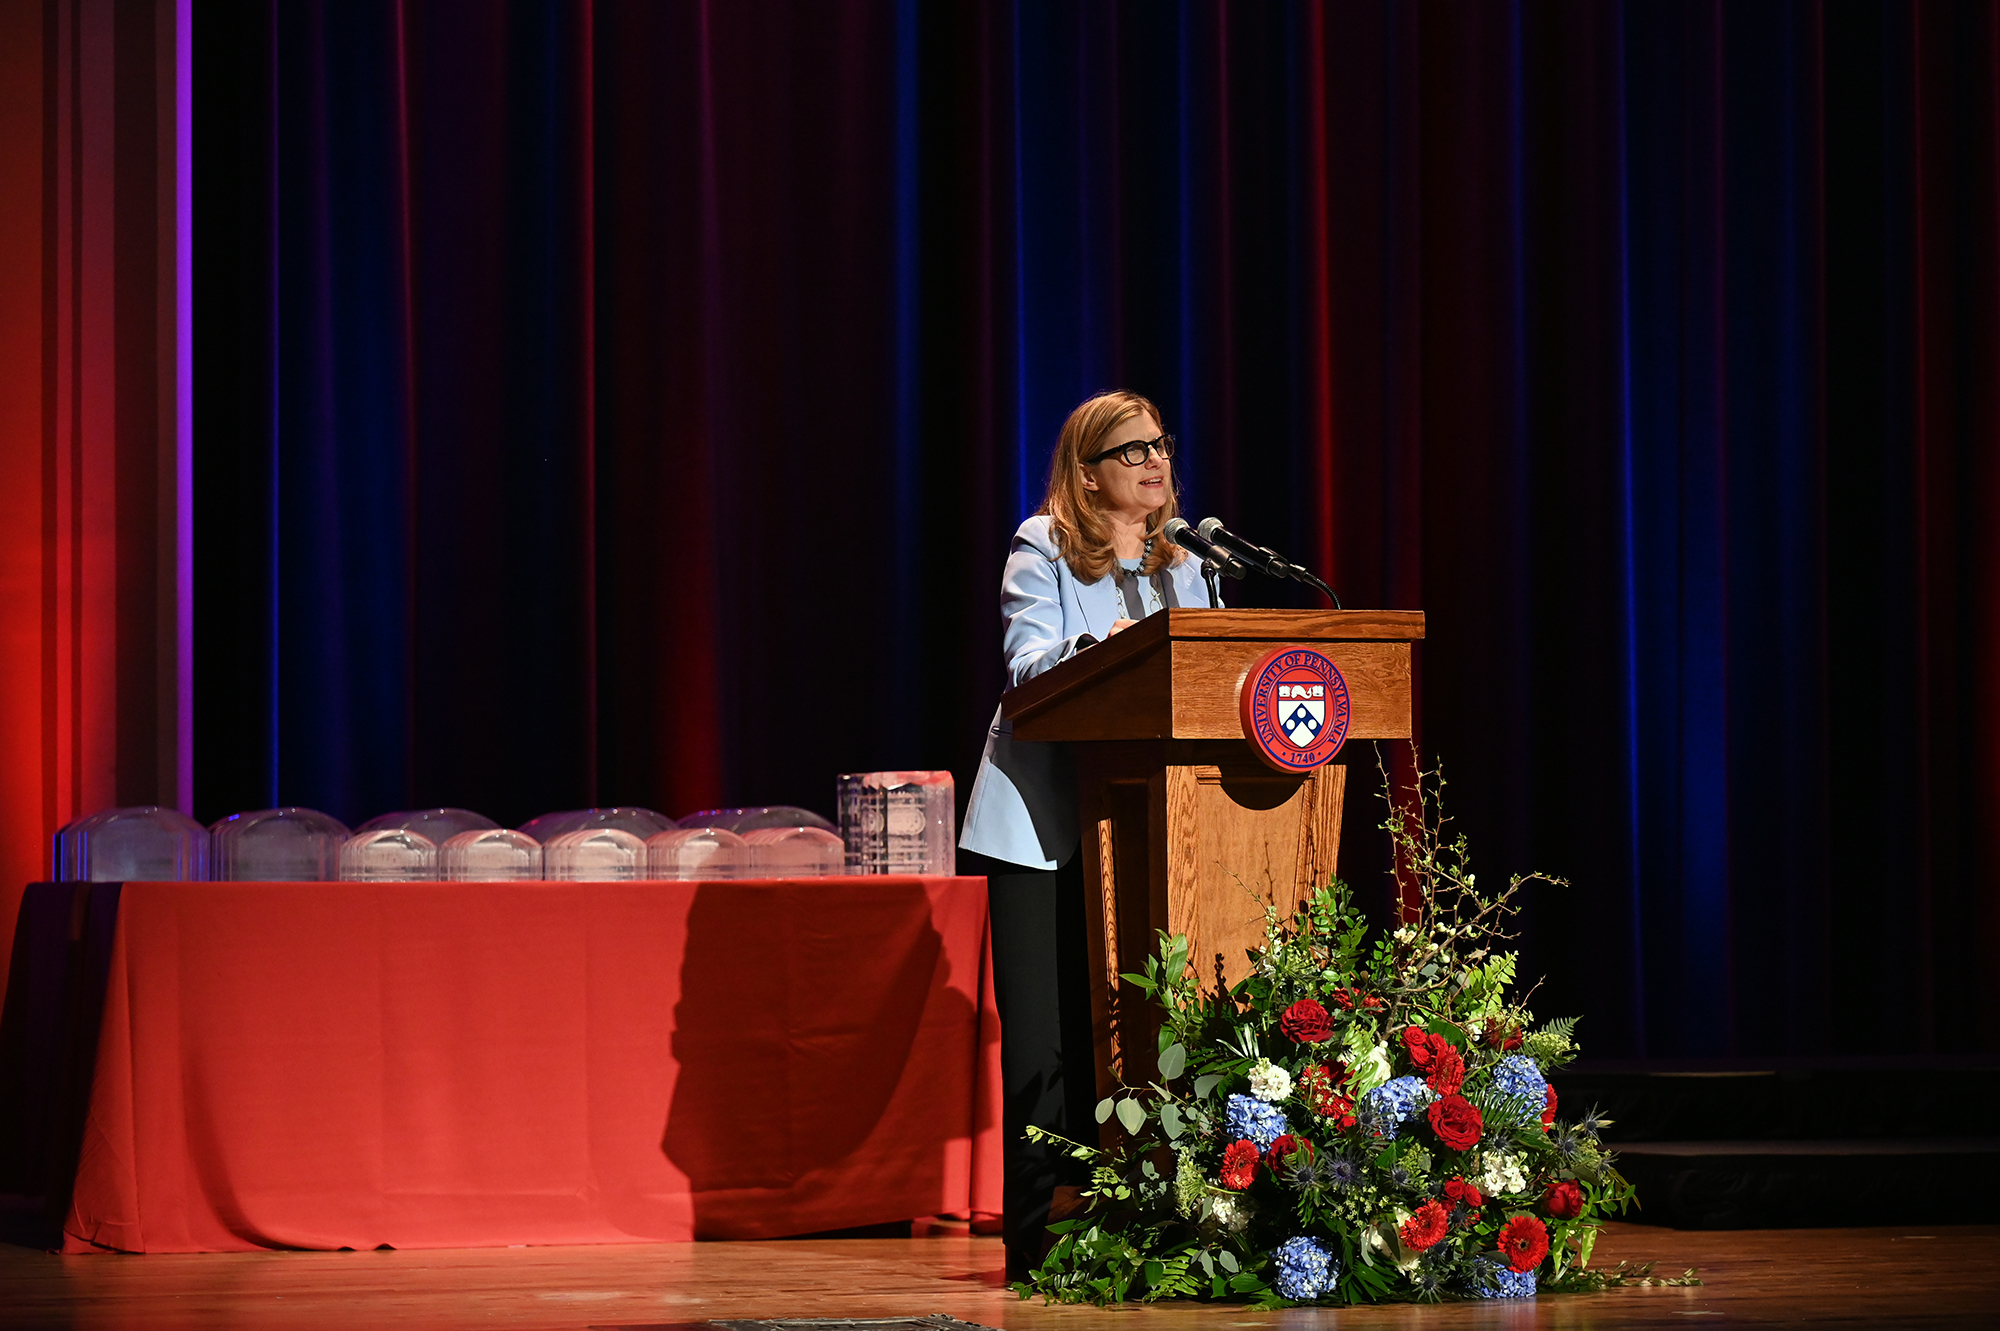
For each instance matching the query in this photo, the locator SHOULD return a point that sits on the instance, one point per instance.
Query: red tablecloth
(463, 1064)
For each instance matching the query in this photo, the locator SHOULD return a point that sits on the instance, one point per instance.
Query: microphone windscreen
(1208, 528)
(1172, 531)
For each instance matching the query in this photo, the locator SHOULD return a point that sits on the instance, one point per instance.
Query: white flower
(1269, 1082)
(1501, 1174)
(1405, 934)
(1232, 1213)
(1370, 1071)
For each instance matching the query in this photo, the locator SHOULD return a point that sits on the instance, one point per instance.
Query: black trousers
(1041, 980)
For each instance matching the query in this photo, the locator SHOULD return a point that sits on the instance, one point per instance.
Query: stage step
(1804, 1184)
(1848, 1098)
(1800, 1143)
(933, 1322)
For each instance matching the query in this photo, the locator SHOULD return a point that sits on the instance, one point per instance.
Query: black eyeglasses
(1134, 454)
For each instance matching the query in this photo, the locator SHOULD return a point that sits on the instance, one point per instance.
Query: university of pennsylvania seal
(1295, 708)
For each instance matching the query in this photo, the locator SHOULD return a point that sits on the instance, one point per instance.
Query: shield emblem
(1294, 707)
(1302, 720)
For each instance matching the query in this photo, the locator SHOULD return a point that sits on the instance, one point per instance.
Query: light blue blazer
(1023, 807)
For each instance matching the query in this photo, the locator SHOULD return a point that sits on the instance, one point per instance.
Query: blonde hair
(1076, 518)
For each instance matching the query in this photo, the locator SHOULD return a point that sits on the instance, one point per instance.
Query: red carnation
(1549, 1111)
(1465, 1194)
(1525, 1240)
(1283, 1149)
(1447, 1070)
(1239, 1165)
(1512, 1040)
(1456, 1122)
(1564, 1200)
(1418, 1042)
(1425, 1228)
(1306, 1022)
(1343, 998)
(1371, 1002)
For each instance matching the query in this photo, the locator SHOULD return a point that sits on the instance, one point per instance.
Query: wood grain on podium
(1206, 654)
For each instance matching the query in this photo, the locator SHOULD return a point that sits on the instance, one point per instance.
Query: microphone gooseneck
(1261, 558)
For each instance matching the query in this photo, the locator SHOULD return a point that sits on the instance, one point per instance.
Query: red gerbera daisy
(1425, 1228)
(1525, 1241)
(1239, 1165)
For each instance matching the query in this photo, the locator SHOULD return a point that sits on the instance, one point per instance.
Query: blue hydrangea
(1386, 1108)
(1250, 1117)
(1518, 1078)
(1305, 1270)
(1507, 1283)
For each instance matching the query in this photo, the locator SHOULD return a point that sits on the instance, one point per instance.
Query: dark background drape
(630, 402)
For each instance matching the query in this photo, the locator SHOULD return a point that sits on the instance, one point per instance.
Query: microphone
(1179, 532)
(1241, 552)
(1259, 558)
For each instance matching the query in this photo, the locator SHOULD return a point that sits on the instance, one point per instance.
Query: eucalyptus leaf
(1104, 1108)
(1228, 1260)
(1173, 1062)
(1131, 1115)
(1202, 1086)
(1170, 1120)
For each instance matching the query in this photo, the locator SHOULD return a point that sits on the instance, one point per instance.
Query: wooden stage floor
(1831, 1277)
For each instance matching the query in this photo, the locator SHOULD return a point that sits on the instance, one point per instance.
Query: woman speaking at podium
(1091, 562)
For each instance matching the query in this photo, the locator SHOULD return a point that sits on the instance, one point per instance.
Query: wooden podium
(1185, 828)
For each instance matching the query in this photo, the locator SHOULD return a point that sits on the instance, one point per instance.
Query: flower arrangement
(1354, 1122)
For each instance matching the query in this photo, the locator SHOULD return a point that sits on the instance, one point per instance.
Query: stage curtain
(631, 401)
(96, 570)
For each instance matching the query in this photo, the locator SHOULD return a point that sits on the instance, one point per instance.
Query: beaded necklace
(1152, 584)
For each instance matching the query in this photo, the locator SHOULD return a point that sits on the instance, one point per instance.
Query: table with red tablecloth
(332, 1065)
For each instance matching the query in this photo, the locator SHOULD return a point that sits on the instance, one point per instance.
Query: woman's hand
(1120, 625)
